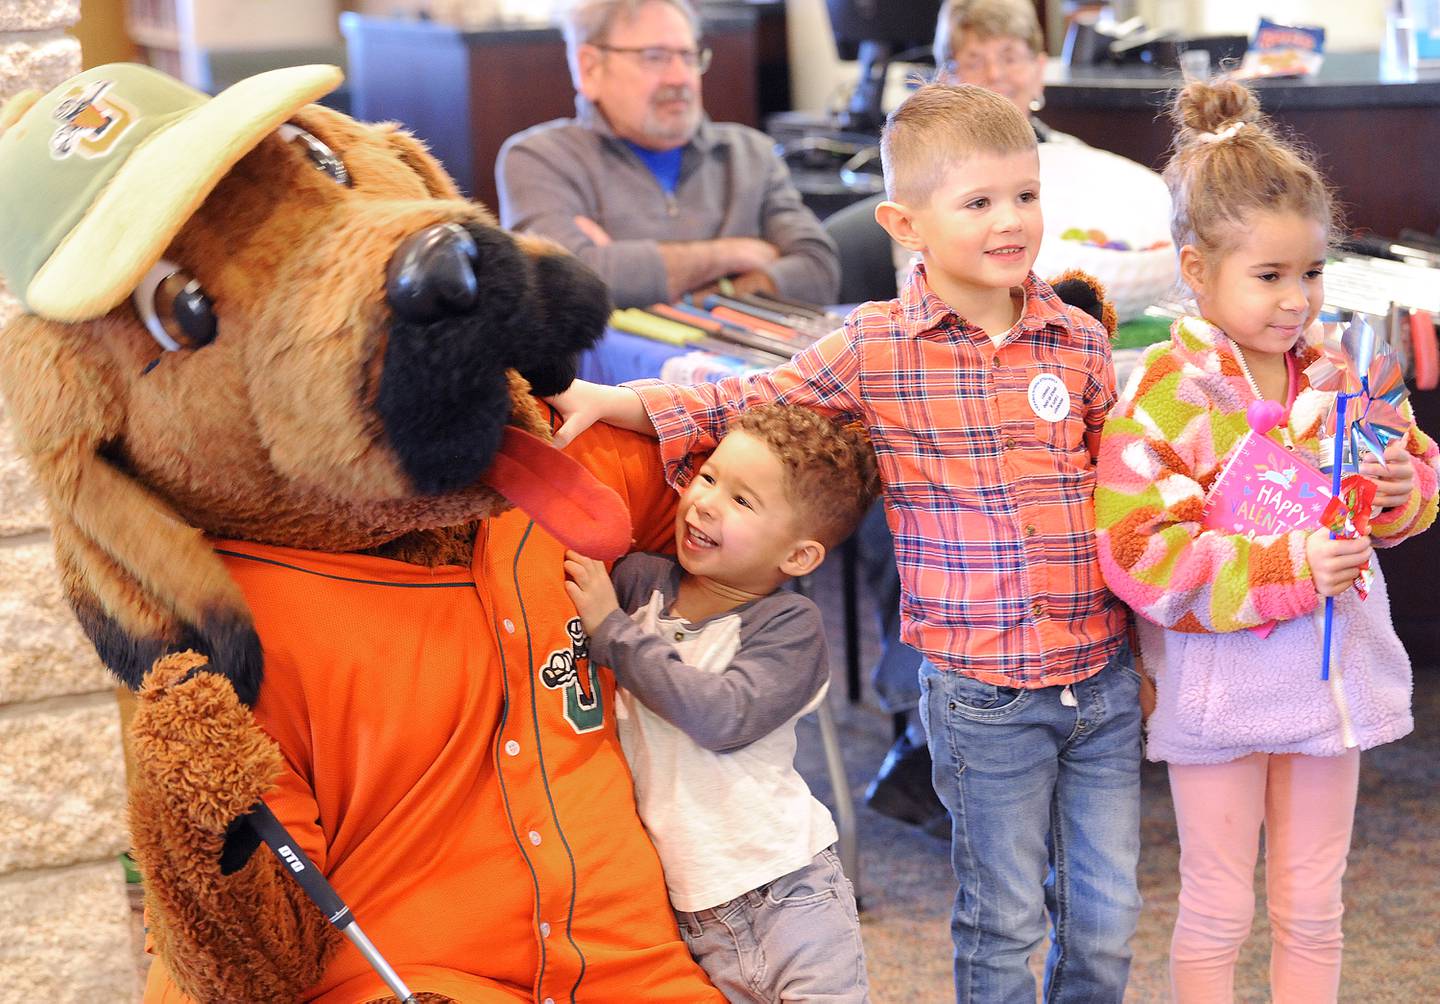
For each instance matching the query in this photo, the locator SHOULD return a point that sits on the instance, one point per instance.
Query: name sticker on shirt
(1048, 397)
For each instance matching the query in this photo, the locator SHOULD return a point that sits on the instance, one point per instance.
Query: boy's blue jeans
(1044, 802)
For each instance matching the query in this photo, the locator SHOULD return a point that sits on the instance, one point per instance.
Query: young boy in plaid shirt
(984, 396)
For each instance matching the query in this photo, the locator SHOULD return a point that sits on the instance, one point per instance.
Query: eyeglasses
(656, 58)
(972, 66)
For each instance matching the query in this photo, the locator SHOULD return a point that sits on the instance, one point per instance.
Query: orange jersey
(452, 763)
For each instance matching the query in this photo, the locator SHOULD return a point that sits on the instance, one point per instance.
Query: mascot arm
(227, 919)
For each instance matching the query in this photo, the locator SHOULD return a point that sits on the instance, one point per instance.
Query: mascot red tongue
(589, 517)
(323, 536)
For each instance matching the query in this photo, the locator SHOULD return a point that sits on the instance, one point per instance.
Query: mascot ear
(1083, 290)
(141, 581)
(416, 156)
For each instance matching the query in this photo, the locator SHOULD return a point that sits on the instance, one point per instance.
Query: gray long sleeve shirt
(731, 184)
(752, 683)
(706, 714)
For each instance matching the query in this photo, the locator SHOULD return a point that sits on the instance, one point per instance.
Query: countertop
(1346, 80)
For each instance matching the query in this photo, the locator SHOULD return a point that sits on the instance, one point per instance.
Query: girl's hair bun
(1228, 163)
(1207, 107)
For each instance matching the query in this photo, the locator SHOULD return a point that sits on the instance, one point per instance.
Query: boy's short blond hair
(939, 126)
(830, 472)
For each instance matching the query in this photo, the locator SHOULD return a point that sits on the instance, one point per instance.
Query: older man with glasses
(647, 191)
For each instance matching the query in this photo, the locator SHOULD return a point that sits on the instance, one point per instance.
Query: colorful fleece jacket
(1223, 690)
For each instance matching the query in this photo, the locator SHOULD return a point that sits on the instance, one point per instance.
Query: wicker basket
(1085, 188)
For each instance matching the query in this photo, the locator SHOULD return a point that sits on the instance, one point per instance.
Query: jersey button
(544, 929)
(513, 748)
(509, 625)
(535, 838)
(679, 635)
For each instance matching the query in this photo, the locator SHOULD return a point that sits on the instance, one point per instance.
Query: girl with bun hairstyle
(1252, 736)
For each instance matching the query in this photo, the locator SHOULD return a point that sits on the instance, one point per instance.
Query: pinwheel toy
(1358, 368)
(1361, 368)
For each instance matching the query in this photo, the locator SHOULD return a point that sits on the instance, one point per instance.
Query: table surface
(621, 356)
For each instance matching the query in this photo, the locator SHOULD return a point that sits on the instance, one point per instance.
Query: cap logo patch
(91, 120)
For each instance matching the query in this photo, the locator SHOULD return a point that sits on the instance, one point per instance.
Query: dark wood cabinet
(464, 92)
(1375, 142)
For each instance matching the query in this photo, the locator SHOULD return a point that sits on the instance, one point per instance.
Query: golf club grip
(301, 868)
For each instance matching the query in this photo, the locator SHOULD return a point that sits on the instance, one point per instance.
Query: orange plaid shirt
(990, 503)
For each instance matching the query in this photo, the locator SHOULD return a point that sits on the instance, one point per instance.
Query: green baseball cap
(98, 176)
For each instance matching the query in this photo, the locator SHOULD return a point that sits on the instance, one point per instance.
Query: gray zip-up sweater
(732, 184)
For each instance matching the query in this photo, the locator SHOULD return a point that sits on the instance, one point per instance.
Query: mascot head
(249, 316)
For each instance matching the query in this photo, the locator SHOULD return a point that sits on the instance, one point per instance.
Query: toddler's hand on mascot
(585, 403)
(590, 590)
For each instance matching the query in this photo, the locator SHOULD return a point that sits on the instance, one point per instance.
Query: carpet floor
(1392, 893)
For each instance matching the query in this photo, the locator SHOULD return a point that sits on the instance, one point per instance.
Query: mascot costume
(275, 380)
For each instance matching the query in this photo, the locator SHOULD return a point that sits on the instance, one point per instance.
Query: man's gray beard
(668, 134)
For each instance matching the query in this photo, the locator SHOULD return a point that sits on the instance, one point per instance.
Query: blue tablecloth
(621, 356)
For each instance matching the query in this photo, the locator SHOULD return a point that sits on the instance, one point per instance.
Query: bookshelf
(176, 35)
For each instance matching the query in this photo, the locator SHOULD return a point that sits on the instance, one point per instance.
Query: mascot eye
(320, 155)
(175, 309)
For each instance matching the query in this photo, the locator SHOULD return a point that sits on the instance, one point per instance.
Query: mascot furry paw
(275, 380)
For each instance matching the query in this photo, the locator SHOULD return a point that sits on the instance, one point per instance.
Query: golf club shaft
(322, 893)
(372, 955)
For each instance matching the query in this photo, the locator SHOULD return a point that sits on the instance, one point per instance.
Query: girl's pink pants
(1307, 807)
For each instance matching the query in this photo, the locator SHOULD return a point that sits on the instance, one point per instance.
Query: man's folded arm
(538, 197)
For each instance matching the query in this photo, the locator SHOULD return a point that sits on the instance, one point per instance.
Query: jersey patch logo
(571, 672)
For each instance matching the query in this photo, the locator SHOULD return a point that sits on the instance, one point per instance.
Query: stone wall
(65, 930)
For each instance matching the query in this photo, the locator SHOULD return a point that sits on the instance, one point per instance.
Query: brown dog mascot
(275, 381)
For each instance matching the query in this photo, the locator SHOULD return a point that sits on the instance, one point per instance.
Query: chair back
(867, 268)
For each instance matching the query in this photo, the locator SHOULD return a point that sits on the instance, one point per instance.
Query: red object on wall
(1424, 350)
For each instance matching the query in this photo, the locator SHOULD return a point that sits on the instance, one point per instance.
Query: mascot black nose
(432, 274)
